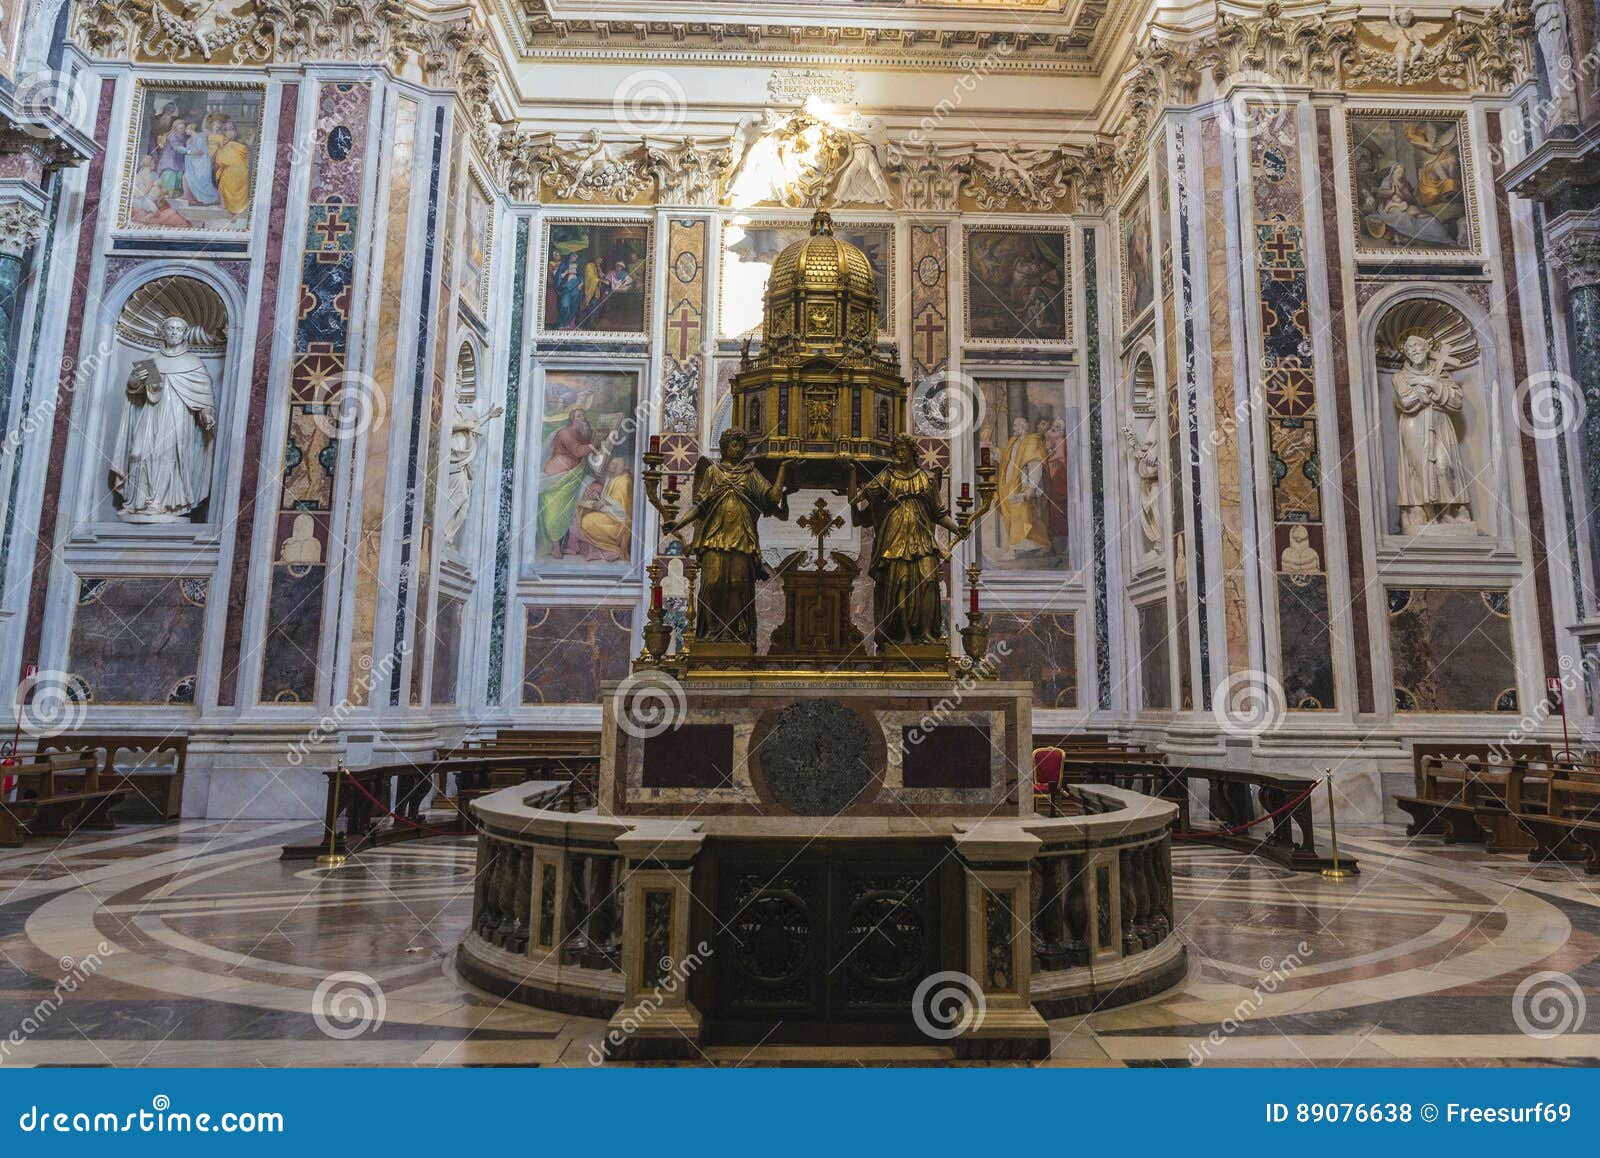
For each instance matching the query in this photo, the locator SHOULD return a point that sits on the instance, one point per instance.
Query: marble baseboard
(254, 794)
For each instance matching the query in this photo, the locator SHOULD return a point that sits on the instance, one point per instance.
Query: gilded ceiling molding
(1059, 46)
(369, 32)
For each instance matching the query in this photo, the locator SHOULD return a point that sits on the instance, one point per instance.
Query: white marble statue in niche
(161, 460)
(1434, 487)
(465, 437)
(1146, 459)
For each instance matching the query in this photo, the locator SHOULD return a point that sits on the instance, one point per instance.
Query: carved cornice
(368, 32)
(1035, 45)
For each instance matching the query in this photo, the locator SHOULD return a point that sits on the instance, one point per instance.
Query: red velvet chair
(1047, 767)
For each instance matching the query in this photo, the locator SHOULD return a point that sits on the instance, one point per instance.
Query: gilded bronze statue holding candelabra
(819, 406)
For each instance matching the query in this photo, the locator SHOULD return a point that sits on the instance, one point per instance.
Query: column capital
(20, 226)
(1576, 255)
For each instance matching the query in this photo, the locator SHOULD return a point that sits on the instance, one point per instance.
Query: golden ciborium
(818, 406)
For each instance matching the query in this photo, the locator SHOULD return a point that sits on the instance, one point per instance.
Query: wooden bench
(149, 769)
(1569, 826)
(1444, 802)
(54, 795)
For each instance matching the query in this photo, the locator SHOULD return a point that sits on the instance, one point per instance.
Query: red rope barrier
(1238, 828)
(392, 815)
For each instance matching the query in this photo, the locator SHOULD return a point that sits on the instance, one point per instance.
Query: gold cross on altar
(821, 522)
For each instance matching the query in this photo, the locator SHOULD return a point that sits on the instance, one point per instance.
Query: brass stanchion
(333, 858)
(1335, 873)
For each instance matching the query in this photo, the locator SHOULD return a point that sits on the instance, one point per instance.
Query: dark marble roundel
(818, 758)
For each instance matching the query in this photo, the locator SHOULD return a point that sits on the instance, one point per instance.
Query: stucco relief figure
(862, 179)
(465, 436)
(1433, 479)
(1147, 465)
(1299, 557)
(301, 548)
(730, 498)
(161, 463)
(1555, 46)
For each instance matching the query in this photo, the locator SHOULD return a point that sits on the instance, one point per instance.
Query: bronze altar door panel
(826, 942)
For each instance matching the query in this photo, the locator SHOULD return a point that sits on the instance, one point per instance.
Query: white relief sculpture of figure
(1408, 47)
(161, 464)
(301, 548)
(1299, 557)
(1147, 465)
(1433, 479)
(1550, 25)
(754, 174)
(465, 436)
(862, 179)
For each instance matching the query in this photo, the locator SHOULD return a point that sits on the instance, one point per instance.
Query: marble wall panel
(1289, 384)
(569, 651)
(1452, 650)
(318, 376)
(137, 640)
(375, 482)
(1225, 402)
(1041, 646)
(446, 651)
(1155, 658)
(683, 359)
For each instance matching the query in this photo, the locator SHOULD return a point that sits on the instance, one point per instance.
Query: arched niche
(467, 374)
(467, 430)
(160, 401)
(1437, 418)
(1141, 442)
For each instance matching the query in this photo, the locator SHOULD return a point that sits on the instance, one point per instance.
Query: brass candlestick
(657, 632)
(975, 635)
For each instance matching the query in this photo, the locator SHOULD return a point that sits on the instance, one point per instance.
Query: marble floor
(192, 945)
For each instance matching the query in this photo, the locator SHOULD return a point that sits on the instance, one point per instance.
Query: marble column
(20, 226)
(1576, 254)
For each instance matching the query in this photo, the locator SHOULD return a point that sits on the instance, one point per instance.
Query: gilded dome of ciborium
(821, 292)
(819, 391)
